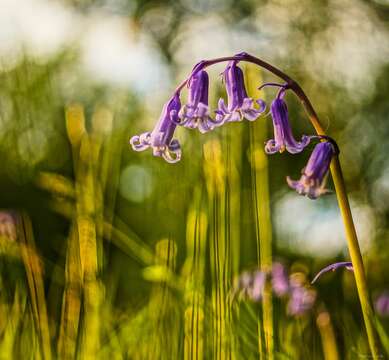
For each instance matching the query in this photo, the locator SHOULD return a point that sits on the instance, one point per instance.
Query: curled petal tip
(140, 142)
(272, 147)
(291, 183)
(262, 105)
(134, 140)
(298, 147)
(172, 153)
(171, 157)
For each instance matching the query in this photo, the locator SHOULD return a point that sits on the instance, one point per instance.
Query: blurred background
(109, 252)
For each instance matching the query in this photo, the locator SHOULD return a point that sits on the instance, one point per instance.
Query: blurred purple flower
(195, 113)
(347, 264)
(240, 105)
(8, 225)
(313, 179)
(161, 138)
(280, 281)
(252, 284)
(382, 304)
(301, 300)
(283, 136)
(258, 286)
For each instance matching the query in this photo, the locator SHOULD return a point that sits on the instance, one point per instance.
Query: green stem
(355, 254)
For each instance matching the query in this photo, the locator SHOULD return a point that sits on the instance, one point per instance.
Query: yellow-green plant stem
(355, 254)
(261, 204)
(327, 335)
(194, 272)
(34, 271)
(220, 264)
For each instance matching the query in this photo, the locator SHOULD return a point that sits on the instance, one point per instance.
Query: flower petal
(295, 147)
(222, 106)
(262, 105)
(251, 114)
(140, 142)
(272, 147)
(172, 154)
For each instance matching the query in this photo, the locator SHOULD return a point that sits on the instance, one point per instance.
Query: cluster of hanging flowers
(300, 297)
(195, 113)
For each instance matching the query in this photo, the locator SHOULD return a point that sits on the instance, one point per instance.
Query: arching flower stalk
(161, 138)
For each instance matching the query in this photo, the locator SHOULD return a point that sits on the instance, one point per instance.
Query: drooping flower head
(313, 178)
(240, 105)
(195, 113)
(283, 136)
(161, 138)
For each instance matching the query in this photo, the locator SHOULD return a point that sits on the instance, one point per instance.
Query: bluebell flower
(161, 138)
(283, 136)
(258, 285)
(240, 105)
(195, 113)
(301, 297)
(251, 285)
(280, 280)
(313, 178)
(301, 300)
(348, 265)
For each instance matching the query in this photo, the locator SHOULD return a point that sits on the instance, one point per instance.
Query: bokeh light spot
(136, 183)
